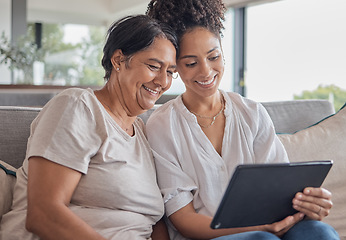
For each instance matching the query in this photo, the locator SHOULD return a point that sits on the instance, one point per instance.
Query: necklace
(212, 118)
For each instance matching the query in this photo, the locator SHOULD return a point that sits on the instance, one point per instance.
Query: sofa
(17, 98)
(309, 130)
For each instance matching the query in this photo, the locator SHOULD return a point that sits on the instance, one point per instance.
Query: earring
(117, 69)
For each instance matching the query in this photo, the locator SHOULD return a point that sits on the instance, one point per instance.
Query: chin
(146, 106)
(209, 91)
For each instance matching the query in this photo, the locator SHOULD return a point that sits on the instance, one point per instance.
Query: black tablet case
(260, 194)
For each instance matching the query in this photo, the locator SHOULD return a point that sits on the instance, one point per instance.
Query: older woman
(205, 132)
(89, 171)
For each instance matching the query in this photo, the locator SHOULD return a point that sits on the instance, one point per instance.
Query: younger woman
(202, 135)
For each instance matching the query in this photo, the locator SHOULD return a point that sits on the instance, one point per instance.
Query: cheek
(185, 73)
(183, 76)
(141, 76)
(146, 76)
(220, 64)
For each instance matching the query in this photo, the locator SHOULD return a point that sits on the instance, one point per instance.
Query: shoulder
(246, 110)
(74, 94)
(139, 124)
(165, 111)
(164, 119)
(239, 103)
(70, 102)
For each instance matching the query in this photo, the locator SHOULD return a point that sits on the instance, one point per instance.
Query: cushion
(325, 140)
(7, 181)
(14, 132)
(291, 116)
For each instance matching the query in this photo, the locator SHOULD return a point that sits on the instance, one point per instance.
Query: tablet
(260, 194)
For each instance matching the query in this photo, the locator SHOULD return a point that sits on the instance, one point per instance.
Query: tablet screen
(260, 194)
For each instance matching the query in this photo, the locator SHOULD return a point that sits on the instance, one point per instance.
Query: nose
(204, 68)
(163, 80)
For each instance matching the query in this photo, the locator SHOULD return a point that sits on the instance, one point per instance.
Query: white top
(188, 166)
(118, 194)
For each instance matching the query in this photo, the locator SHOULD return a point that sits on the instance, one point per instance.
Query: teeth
(206, 83)
(150, 90)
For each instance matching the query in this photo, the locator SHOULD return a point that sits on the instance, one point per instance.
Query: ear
(117, 58)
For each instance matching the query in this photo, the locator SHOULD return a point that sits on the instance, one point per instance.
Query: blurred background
(274, 50)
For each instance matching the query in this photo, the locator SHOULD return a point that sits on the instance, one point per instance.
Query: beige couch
(325, 139)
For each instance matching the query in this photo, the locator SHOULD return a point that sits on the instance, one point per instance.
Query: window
(72, 54)
(67, 55)
(295, 46)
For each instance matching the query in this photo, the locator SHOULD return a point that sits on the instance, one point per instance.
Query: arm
(160, 231)
(197, 226)
(315, 203)
(50, 188)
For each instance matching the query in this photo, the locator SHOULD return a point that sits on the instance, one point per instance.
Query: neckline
(113, 122)
(185, 111)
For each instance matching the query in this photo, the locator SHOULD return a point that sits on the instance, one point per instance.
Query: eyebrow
(193, 56)
(161, 62)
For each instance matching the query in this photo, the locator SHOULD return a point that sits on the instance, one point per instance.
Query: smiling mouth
(150, 90)
(205, 83)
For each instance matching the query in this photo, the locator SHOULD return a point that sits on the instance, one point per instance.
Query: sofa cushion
(287, 116)
(7, 181)
(325, 140)
(14, 132)
(30, 99)
(292, 116)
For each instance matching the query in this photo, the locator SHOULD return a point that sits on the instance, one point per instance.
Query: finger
(313, 215)
(285, 224)
(315, 203)
(312, 202)
(289, 222)
(318, 192)
(312, 211)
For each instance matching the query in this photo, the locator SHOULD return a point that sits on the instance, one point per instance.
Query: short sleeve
(65, 133)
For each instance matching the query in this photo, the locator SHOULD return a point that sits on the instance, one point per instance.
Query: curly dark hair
(183, 15)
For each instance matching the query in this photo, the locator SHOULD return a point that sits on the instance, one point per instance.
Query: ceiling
(92, 12)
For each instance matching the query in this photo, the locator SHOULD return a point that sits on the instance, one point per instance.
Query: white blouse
(190, 169)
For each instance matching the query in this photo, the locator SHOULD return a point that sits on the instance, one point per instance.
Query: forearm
(58, 222)
(50, 189)
(197, 226)
(160, 231)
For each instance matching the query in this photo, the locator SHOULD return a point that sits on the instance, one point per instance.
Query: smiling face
(146, 75)
(200, 64)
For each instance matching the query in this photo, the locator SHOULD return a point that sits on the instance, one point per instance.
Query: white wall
(5, 26)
